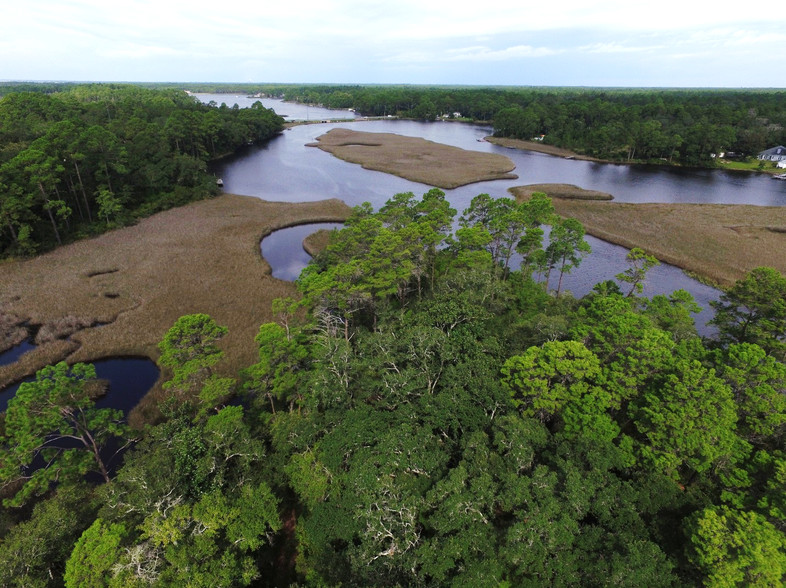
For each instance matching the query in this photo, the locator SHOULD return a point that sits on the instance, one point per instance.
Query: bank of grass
(751, 165)
(717, 242)
(539, 147)
(117, 294)
(415, 159)
(316, 242)
(560, 191)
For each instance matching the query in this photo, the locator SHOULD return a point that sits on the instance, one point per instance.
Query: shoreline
(539, 147)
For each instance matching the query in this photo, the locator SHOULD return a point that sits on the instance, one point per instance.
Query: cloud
(486, 54)
(170, 39)
(617, 47)
(474, 54)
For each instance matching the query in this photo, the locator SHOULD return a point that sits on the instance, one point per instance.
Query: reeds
(117, 294)
(720, 243)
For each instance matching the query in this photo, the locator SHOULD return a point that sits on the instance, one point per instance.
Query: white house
(775, 154)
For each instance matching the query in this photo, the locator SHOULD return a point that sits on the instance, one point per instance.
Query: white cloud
(616, 47)
(60, 39)
(486, 54)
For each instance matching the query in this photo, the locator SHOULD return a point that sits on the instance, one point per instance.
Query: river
(285, 169)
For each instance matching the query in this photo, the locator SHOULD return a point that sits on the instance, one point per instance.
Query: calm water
(283, 249)
(289, 110)
(15, 352)
(130, 378)
(285, 169)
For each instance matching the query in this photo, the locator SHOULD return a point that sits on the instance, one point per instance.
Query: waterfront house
(775, 154)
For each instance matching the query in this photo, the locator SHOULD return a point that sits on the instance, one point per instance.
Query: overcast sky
(665, 43)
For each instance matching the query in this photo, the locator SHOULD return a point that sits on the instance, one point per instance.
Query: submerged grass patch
(416, 159)
(117, 294)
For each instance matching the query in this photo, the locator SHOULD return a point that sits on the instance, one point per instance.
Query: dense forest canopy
(428, 412)
(78, 159)
(685, 126)
(432, 409)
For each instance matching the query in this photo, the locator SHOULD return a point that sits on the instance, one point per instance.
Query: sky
(665, 43)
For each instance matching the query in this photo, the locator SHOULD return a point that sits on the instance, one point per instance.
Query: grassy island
(416, 159)
(117, 294)
(560, 191)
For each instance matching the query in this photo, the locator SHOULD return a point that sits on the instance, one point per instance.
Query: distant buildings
(775, 154)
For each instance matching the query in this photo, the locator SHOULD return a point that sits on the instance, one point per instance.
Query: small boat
(219, 182)
(779, 177)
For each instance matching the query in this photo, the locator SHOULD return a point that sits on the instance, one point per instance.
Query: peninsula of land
(717, 242)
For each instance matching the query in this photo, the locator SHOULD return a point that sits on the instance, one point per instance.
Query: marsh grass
(415, 159)
(316, 241)
(12, 331)
(537, 146)
(560, 191)
(117, 294)
(718, 242)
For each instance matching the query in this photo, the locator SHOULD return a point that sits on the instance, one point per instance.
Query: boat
(219, 182)
(779, 177)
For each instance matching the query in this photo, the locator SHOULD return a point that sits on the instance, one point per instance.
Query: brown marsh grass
(537, 146)
(316, 241)
(560, 191)
(718, 242)
(117, 294)
(415, 159)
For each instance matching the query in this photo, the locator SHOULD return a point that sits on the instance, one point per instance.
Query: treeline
(678, 126)
(76, 161)
(428, 413)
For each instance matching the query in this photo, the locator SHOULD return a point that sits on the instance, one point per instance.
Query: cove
(283, 249)
(130, 378)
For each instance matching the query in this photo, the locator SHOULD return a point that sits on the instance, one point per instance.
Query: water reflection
(17, 351)
(283, 249)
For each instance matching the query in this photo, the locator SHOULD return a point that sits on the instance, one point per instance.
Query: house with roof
(775, 154)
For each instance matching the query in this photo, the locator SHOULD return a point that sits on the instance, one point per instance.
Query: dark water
(283, 249)
(285, 169)
(15, 352)
(130, 378)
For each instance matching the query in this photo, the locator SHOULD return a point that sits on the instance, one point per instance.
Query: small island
(416, 159)
(560, 191)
